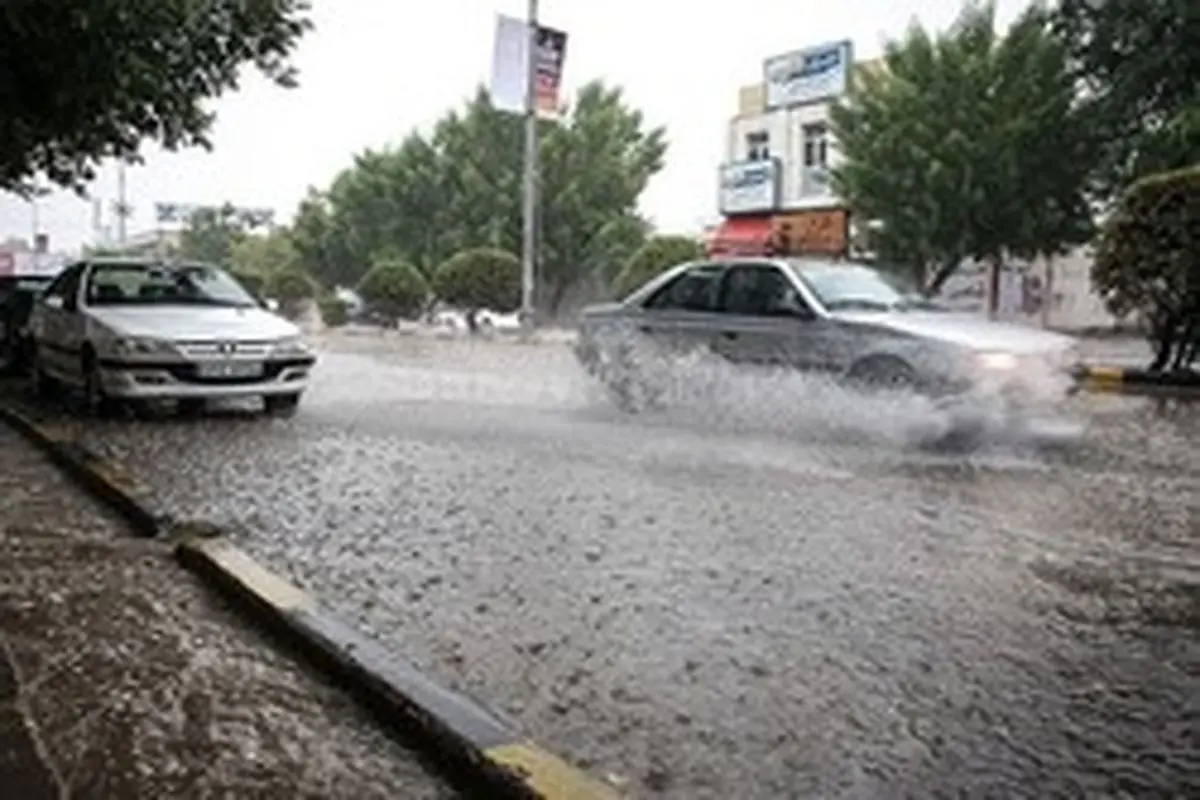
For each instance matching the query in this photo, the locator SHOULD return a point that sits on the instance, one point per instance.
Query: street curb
(1132, 380)
(452, 725)
(106, 481)
(457, 726)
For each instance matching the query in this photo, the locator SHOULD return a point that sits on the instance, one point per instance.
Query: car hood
(194, 323)
(964, 329)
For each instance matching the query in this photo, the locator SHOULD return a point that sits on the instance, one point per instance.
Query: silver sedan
(846, 320)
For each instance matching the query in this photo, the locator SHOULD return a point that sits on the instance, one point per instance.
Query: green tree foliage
(460, 188)
(292, 287)
(1139, 62)
(211, 236)
(321, 243)
(89, 80)
(263, 254)
(1148, 262)
(480, 278)
(394, 290)
(967, 144)
(253, 282)
(658, 254)
(334, 311)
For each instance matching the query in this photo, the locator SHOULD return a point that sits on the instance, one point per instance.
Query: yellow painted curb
(264, 585)
(1105, 374)
(547, 774)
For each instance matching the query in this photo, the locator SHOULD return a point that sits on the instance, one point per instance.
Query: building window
(816, 145)
(758, 146)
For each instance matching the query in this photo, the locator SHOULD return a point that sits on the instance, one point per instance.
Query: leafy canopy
(657, 255)
(459, 188)
(480, 278)
(1148, 261)
(966, 144)
(88, 80)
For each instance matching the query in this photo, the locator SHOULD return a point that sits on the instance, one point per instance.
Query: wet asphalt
(765, 592)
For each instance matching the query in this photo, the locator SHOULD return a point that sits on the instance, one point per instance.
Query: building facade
(774, 182)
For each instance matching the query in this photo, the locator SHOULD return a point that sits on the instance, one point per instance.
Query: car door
(680, 316)
(57, 326)
(767, 320)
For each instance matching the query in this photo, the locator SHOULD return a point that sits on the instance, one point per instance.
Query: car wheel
(627, 385)
(882, 374)
(281, 405)
(45, 387)
(95, 401)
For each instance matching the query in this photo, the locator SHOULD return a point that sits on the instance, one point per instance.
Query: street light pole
(530, 181)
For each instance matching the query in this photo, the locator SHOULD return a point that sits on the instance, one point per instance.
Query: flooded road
(763, 595)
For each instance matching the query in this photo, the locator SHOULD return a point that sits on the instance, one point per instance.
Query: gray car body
(942, 347)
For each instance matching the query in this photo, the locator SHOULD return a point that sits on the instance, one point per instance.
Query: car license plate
(229, 369)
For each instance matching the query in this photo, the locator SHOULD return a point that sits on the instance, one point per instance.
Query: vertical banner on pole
(510, 67)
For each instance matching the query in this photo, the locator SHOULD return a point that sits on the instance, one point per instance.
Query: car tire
(95, 401)
(627, 385)
(45, 387)
(281, 405)
(882, 374)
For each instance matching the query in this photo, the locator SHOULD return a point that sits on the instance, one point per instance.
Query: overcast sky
(374, 69)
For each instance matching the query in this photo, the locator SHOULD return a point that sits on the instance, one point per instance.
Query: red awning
(743, 236)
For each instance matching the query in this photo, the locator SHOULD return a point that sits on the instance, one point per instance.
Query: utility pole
(530, 182)
(122, 209)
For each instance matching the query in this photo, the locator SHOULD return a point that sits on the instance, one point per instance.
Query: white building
(779, 153)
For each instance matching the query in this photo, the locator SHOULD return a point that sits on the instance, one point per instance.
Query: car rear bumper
(144, 381)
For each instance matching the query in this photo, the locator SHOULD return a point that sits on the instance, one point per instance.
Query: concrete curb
(455, 725)
(1132, 380)
(106, 481)
(449, 725)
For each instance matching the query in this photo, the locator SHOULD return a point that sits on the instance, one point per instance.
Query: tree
(321, 244)
(658, 254)
(211, 236)
(394, 290)
(460, 188)
(291, 286)
(1148, 263)
(333, 309)
(480, 278)
(263, 254)
(85, 81)
(967, 144)
(1139, 66)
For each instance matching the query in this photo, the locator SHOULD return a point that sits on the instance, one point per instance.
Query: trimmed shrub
(1148, 263)
(394, 290)
(292, 287)
(657, 255)
(480, 278)
(334, 310)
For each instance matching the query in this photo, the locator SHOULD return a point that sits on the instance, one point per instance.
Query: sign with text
(510, 67)
(825, 230)
(749, 186)
(183, 213)
(808, 76)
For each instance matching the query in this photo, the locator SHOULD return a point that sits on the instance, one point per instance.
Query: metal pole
(122, 207)
(529, 241)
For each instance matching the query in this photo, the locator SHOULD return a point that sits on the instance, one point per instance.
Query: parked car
(133, 330)
(17, 296)
(847, 320)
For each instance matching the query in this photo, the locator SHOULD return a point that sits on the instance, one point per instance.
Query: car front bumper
(130, 380)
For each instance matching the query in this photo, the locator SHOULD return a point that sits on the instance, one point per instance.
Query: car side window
(66, 285)
(694, 290)
(760, 290)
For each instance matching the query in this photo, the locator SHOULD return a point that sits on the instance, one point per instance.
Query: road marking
(547, 774)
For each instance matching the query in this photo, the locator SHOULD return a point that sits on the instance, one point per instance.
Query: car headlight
(997, 362)
(291, 346)
(141, 346)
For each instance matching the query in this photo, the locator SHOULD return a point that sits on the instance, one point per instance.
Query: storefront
(814, 231)
(748, 196)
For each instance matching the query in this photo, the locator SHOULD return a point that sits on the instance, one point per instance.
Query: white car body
(164, 350)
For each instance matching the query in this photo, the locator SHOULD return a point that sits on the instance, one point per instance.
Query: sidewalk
(122, 678)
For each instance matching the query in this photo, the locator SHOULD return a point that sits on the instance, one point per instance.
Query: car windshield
(163, 284)
(857, 287)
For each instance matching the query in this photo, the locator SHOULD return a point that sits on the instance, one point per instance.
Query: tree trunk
(993, 289)
(557, 293)
(941, 274)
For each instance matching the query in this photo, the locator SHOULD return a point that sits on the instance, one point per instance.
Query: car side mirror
(53, 301)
